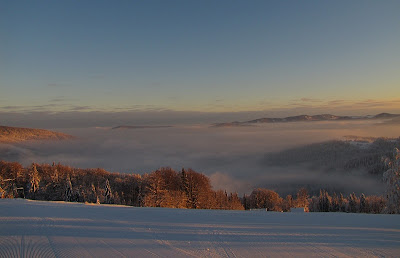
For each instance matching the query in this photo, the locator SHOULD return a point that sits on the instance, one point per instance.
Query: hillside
(16, 134)
(353, 153)
(307, 118)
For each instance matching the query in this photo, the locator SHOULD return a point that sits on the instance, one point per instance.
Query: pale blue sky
(210, 56)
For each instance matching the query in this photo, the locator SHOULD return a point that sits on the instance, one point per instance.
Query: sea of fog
(230, 156)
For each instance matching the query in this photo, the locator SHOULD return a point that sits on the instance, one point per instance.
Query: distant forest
(166, 187)
(354, 153)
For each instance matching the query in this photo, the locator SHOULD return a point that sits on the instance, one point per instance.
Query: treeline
(270, 200)
(351, 203)
(161, 188)
(166, 187)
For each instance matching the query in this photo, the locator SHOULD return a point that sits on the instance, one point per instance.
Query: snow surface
(58, 229)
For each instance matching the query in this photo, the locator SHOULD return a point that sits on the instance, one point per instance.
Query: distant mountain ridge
(17, 134)
(141, 126)
(305, 118)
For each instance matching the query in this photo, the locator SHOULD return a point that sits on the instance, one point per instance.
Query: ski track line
(225, 246)
(283, 251)
(35, 246)
(170, 246)
(214, 244)
(133, 243)
(152, 253)
(21, 246)
(75, 250)
(157, 238)
(9, 247)
(222, 244)
(112, 248)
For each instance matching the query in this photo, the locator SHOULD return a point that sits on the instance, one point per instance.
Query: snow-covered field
(57, 229)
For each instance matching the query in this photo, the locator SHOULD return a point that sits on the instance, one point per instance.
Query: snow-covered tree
(68, 190)
(342, 203)
(353, 203)
(2, 192)
(34, 181)
(335, 206)
(392, 179)
(93, 195)
(107, 193)
(324, 201)
(363, 204)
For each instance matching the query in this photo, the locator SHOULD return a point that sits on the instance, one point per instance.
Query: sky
(203, 57)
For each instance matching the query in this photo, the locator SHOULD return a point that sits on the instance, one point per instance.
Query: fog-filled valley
(283, 157)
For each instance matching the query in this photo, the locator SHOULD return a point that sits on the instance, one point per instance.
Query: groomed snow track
(58, 229)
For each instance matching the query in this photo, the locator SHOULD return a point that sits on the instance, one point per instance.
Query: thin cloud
(80, 108)
(337, 102)
(311, 100)
(11, 107)
(62, 99)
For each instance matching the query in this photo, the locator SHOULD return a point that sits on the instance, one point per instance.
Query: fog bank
(232, 157)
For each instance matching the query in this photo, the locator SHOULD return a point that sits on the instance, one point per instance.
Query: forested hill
(354, 153)
(16, 134)
(307, 118)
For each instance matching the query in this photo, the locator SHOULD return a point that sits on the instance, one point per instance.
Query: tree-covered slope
(16, 134)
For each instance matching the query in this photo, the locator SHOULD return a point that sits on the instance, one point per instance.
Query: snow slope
(57, 229)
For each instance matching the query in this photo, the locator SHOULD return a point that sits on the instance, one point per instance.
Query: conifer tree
(107, 193)
(34, 181)
(324, 201)
(363, 204)
(392, 179)
(335, 203)
(68, 190)
(353, 203)
(342, 203)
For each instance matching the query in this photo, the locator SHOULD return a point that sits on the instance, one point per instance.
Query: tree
(2, 192)
(288, 203)
(363, 204)
(302, 198)
(335, 206)
(155, 190)
(392, 179)
(246, 202)
(353, 203)
(376, 204)
(107, 193)
(324, 201)
(234, 202)
(262, 198)
(342, 203)
(197, 188)
(92, 196)
(34, 181)
(163, 189)
(68, 190)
